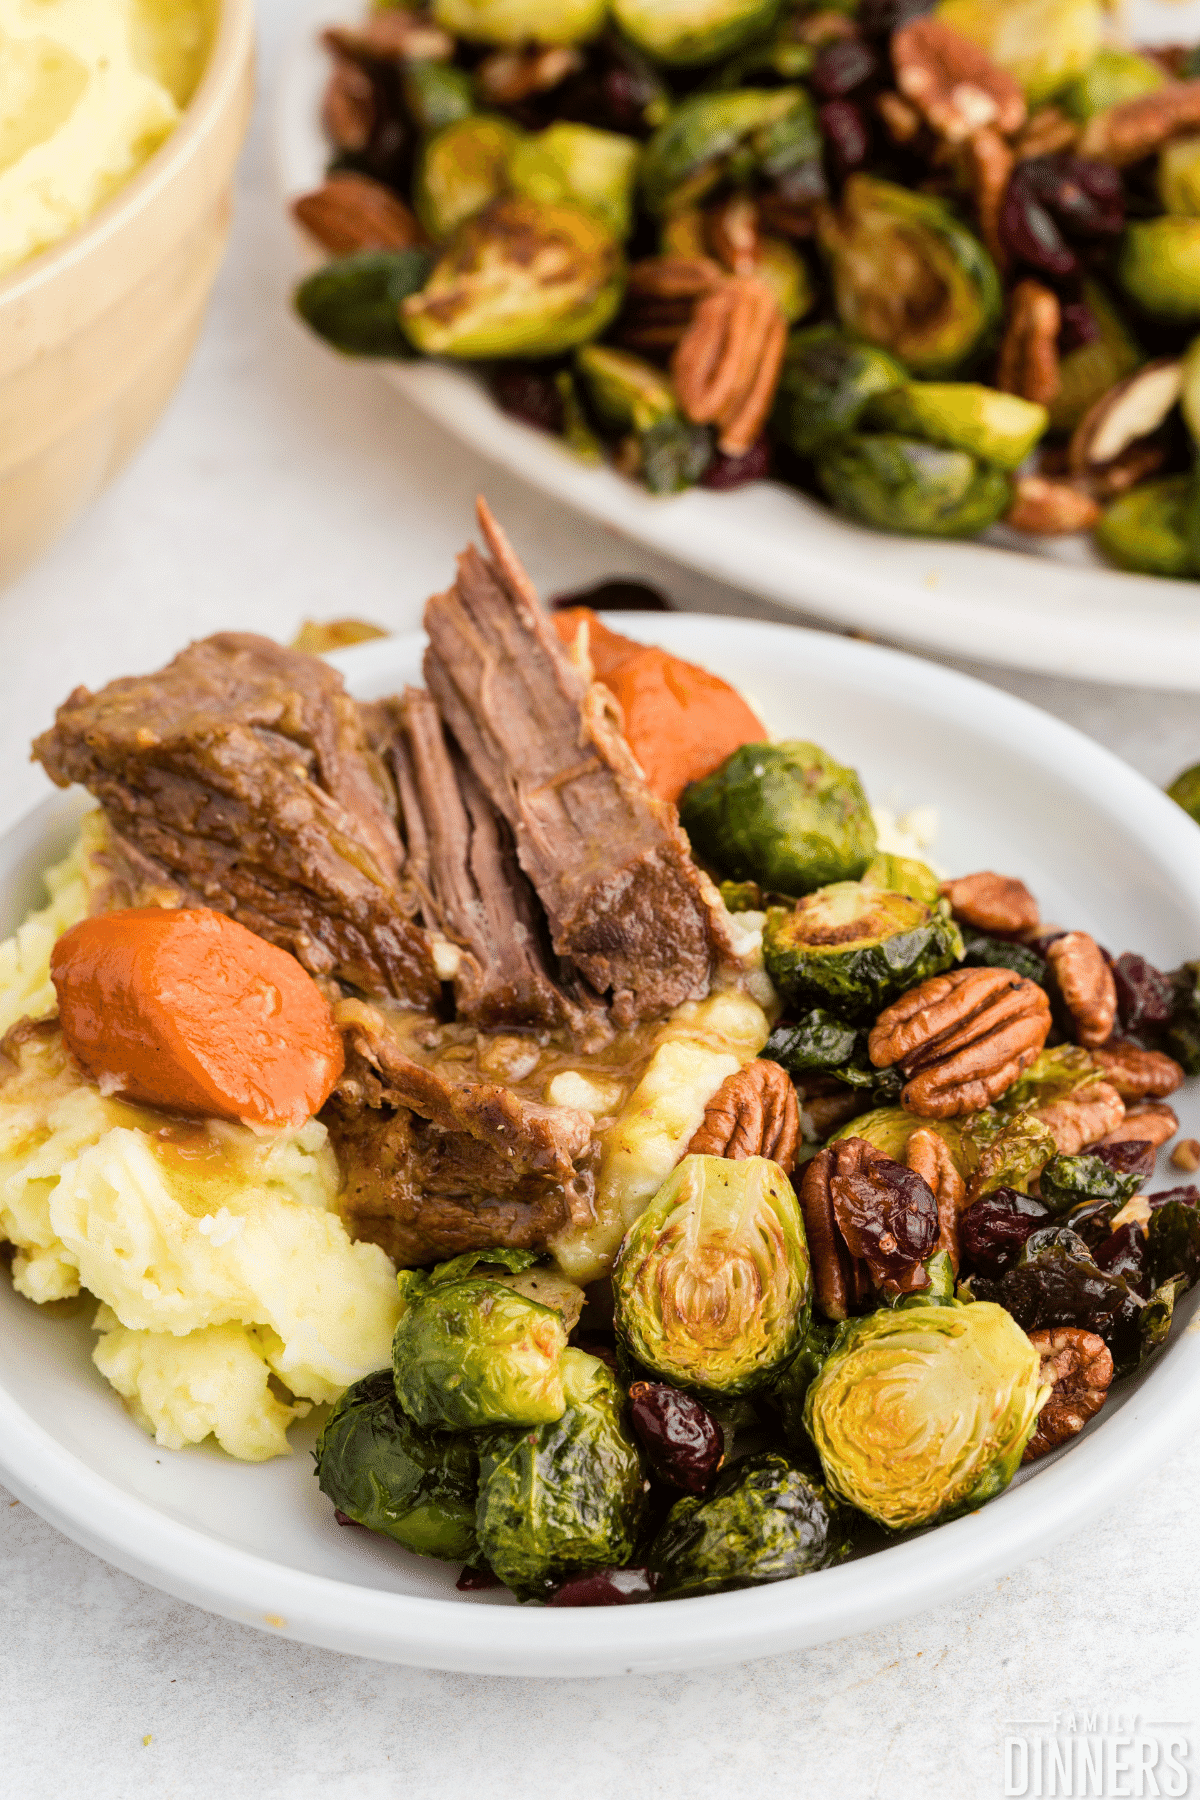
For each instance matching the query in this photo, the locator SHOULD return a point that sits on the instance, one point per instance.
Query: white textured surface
(284, 483)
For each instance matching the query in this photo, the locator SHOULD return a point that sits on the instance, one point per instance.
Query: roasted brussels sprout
(901, 484)
(626, 393)
(712, 1285)
(907, 275)
(902, 875)
(997, 953)
(762, 1520)
(922, 1413)
(518, 21)
(1173, 1242)
(384, 1472)
(817, 1043)
(1091, 369)
(1146, 530)
(436, 94)
(786, 1396)
(826, 383)
(1112, 76)
(854, 949)
(1185, 791)
(1067, 1180)
(784, 815)
(1179, 176)
(688, 32)
(767, 131)
(470, 1352)
(578, 164)
(1044, 44)
(462, 168)
(354, 302)
(1015, 1156)
(674, 455)
(997, 428)
(567, 1497)
(1160, 267)
(518, 280)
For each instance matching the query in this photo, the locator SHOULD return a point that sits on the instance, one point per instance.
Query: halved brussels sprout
(674, 455)
(626, 393)
(519, 280)
(1090, 370)
(900, 484)
(997, 428)
(1112, 76)
(1179, 176)
(762, 1520)
(354, 302)
(567, 1497)
(1147, 529)
(889, 1128)
(826, 383)
(519, 21)
(384, 1472)
(1159, 266)
(784, 815)
(461, 168)
(788, 1392)
(687, 32)
(922, 1413)
(436, 94)
(1053, 1075)
(767, 130)
(855, 949)
(470, 1352)
(909, 276)
(1044, 44)
(578, 164)
(903, 875)
(711, 1286)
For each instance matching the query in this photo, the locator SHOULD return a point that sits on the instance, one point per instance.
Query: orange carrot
(191, 1011)
(680, 721)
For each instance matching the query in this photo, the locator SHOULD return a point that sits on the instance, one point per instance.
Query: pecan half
(1046, 132)
(754, 1112)
(1050, 508)
(1126, 133)
(1079, 1367)
(352, 212)
(928, 1156)
(989, 164)
(953, 83)
(901, 120)
(660, 298)
(1138, 1074)
(851, 1191)
(732, 231)
(348, 111)
(1028, 361)
(991, 902)
(1093, 1113)
(1086, 984)
(1151, 1124)
(961, 1039)
(507, 77)
(391, 34)
(726, 366)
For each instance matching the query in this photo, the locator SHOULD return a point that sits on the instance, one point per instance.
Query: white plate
(1056, 609)
(1016, 790)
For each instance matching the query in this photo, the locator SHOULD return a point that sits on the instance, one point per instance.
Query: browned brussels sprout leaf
(997, 953)
(354, 302)
(1067, 1180)
(1173, 1242)
(763, 1520)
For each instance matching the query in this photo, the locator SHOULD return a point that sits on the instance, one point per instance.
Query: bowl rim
(904, 1578)
(223, 72)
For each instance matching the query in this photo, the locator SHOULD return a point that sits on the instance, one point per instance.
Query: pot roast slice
(239, 777)
(625, 902)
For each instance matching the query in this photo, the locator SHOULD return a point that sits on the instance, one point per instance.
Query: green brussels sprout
(909, 276)
(567, 1497)
(674, 455)
(825, 385)
(1147, 529)
(354, 302)
(520, 1271)
(1052, 1076)
(436, 94)
(469, 1351)
(1111, 77)
(384, 1472)
(685, 33)
(626, 393)
(1159, 266)
(997, 428)
(889, 1128)
(1088, 372)
(741, 896)
(762, 1520)
(856, 949)
(1173, 1242)
(815, 1044)
(1014, 1157)
(581, 165)
(767, 130)
(1179, 176)
(577, 433)
(711, 1286)
(1067, 1180)
(461, 169)
(902, 875)
(518, 21)
(984, 952)
(900, 484)
(784, 1399)
(784, 815)
(1044, 44)
(1185, 791)
(922, 1413)
(518, 280)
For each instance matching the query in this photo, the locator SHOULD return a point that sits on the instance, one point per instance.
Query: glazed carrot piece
(191, 1011)
(680, 721)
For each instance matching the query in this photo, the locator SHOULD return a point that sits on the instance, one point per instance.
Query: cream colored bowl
(95, 332)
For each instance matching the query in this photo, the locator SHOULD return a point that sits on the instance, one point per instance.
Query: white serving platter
(1016, 790)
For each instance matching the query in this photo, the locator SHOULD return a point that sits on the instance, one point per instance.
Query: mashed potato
(25, 987)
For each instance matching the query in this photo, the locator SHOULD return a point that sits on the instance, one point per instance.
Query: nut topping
(1079, 1367)
(1028, 361)
(991, 902)
(1093, 1113)
(352, 212)
(391, 35)
(1046, 508)
(961, 1039)
(1151, 1124)
(1046, 132)
(660, 299)
(1138, 1074)
(928, 1156)
(754, 1112)
(726, 366)
(1126, 133)
(348, 109)
(1086, 984)
(507, 77)
(989, 164)
(953, 83)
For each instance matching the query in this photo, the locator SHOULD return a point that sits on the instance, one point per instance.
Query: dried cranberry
(345, 1519)
(530, 395)
(683, 1442)
(1123, 1252)
(1079, 327)
(1051, 199)
(888, 1216)
(607, 1587)
(845, 131)
(1144, 995)
(473, 1581)
(1029, 233)
(842, 66)
(613, 596)
(1186, 1196)
(726, 472)
(1132, 1156)
(992, 1233)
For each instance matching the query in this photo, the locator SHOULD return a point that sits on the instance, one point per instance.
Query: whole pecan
(754, 1112)
(1046, 132)
(1046, 508)
(391, 34)
(1086, 984)
(1151, 1123)
(508, 76)
(953, 83)
(661, 296)
(1028, 361)
(1126, 133)
(726, 365)
(1079, 1367)
(348, 111)
(901, 120)
(733, 238)
(961, 1039)
(989, 164)
(991, 902)
(1091, 1114)
(352, 212)
(869, 1222)
(928, 1156)
(1138, 1074)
